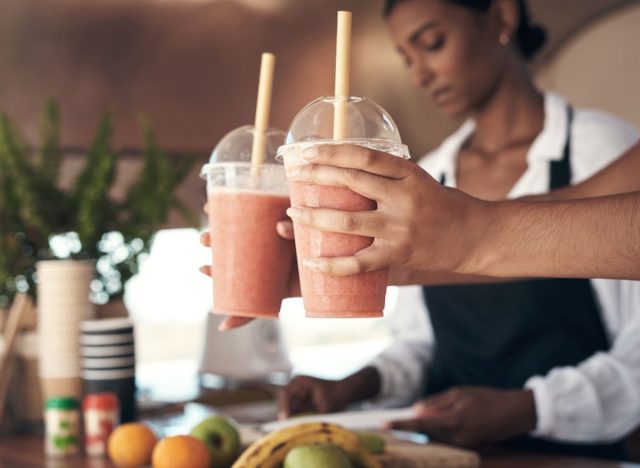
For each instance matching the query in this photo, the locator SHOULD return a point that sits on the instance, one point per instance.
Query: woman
(550, 358)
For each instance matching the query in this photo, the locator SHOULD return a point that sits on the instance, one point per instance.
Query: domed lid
(236, 146)
(367, 124)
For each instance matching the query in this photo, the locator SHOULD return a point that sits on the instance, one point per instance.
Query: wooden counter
(27, 452)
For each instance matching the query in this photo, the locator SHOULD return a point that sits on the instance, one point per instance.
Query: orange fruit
(131, 444)
(181, 451)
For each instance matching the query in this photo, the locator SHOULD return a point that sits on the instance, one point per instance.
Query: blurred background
(191, 66)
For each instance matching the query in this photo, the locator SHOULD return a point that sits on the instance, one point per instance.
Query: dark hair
(530, 37)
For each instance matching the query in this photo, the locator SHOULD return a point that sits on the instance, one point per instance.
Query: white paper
(353, 420)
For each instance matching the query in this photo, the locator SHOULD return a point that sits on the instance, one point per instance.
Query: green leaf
(93, 212)
(33, 207)
(50, 151)
(20, 201)
(150, 199)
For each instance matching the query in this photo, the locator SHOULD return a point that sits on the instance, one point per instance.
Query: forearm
(621, 176)
(588, 238)
(402, 277)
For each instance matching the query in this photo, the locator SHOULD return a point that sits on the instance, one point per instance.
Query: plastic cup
(251, 262)
(368, 125)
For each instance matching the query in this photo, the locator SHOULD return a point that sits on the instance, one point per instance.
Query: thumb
(436, 403)
(435, 427)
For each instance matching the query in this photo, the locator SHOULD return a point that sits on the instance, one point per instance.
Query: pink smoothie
(359, 295)
(251, 262)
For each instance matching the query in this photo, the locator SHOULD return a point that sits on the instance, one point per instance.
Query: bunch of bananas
(271, 450)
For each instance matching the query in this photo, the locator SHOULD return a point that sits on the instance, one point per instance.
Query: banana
(261, 448)
(270, 451)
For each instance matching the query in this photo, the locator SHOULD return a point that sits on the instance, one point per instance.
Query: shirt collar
(548, 145)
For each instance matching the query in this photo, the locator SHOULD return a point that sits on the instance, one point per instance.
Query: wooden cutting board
(400, 454)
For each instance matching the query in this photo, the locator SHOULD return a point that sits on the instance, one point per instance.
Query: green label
(64, 441)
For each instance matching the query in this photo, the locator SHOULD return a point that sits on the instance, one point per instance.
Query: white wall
(600, 66)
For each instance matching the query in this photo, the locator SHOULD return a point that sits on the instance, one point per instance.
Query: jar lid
(106, 401)
(62, 403)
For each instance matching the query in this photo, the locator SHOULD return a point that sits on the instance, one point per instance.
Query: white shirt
(597, 400)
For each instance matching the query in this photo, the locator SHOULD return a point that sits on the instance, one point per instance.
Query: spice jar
(62, 426)
(101, 416)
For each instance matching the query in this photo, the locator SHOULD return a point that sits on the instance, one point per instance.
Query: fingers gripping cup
(251, 262)
(366, 124)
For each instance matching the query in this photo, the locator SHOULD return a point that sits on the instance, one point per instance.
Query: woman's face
(452, 52)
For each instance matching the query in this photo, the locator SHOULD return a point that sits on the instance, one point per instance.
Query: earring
(504, 39)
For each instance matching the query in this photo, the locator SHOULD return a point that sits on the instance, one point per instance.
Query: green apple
(374, 443)
(317, 456)
(221, 437)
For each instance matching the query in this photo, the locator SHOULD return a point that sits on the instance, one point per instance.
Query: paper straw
(343, 47)
(263, 106)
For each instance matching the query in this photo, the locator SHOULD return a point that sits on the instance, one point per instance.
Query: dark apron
(500, 335)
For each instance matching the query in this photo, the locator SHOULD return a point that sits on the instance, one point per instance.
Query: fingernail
(224, 326)
(203, 269)
(420, 407)
(313, 264)
(284, 227)
(311, 153)
(294, 213)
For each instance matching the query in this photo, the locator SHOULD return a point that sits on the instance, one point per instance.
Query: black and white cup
(107, 352)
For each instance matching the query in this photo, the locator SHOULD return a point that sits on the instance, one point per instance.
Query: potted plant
(39, 220)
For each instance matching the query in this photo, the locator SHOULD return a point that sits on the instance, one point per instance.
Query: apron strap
(560, 171)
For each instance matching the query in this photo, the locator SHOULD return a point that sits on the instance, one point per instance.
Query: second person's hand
(305, 394)
(473, 416)
(418, 224)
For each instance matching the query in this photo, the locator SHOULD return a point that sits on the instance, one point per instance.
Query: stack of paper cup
(108, 361)
(63, 301)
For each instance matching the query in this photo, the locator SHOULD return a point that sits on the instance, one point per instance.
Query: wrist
(490, 231)
(478, 219)
(523, 409)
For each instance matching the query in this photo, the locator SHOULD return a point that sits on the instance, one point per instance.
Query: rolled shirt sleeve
(402, 364)
(598, 400)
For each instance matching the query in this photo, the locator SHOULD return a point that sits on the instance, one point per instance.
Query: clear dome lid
(236, 146)
(367, 124)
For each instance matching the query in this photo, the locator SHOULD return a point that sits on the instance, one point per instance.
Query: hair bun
(531, 39)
